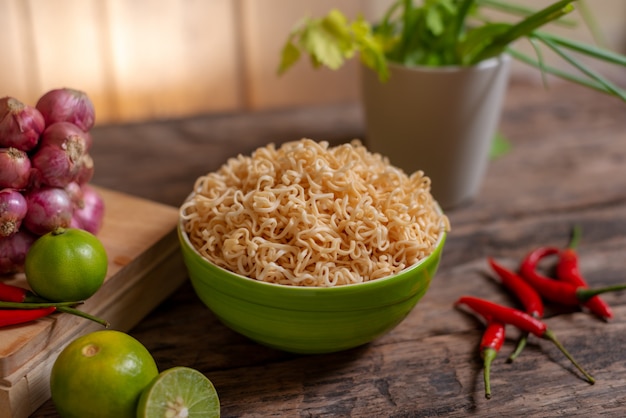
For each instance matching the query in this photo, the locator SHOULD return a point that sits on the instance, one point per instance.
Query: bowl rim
(437, 248)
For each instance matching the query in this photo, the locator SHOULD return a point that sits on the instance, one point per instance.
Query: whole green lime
(101, 375)
(66, 265)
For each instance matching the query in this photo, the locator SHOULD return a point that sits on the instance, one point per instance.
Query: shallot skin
(89, 214)
(15, 168)
(59, 133)
(67, 105)
(48, 208)
(20, 124)
(86, 170)
(13, 209)
(13, 251)
(60, 157)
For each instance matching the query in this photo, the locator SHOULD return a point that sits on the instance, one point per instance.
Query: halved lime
(179, 392)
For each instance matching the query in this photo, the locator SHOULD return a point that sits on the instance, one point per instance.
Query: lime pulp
(179, 392)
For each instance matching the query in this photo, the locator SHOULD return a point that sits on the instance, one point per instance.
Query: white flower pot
(439, 120)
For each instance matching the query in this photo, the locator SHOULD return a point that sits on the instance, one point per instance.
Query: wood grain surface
(567, 166)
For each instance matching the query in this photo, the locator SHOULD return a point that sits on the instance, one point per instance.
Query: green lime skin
(66, 265)
(101, 375)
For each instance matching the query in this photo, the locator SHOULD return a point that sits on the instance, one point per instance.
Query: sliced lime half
(179, 392)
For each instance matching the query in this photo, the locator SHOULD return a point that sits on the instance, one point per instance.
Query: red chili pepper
(558, 291)
(568, 271)
(535, 256)
(10, 293)
(20, 316)
(527, 295)
(490, 345)
(491, 311)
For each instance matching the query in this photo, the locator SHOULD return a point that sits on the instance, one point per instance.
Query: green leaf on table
(499, 146)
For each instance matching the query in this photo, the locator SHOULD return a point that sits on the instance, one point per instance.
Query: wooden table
(567, 166)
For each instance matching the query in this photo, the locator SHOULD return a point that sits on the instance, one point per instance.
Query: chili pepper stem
(584, 294)
(521, 344)
(489, 354)
(574, 237)
(36, 305)
(549, 335)
(76, 312)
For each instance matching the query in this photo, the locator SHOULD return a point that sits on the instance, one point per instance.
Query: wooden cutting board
(145, 266)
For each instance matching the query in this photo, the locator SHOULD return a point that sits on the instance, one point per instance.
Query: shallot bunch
(45, 169)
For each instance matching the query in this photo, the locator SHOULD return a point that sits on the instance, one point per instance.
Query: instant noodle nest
(309, 215)
(310, 248)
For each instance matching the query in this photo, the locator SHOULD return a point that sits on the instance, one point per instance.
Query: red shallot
(75, 191)
(13, 251)
(59, 157)
(12, 211)
(15, 168)
(67, 105)
(85, 170)
(48, 208)
(20, 124)
(89, 214)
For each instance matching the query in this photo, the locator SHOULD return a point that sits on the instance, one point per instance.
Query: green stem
(574, 237)
(85, 315)
(587, 71)
(521, 344)
(520, 10)
(592, 51)
(489, 354)
(584, 294)
(36, 305)
(561, 74)
(591, 23)
(549, 335)
(459, 21)
(525, 28)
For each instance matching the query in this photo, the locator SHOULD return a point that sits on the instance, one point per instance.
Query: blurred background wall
(156, 59)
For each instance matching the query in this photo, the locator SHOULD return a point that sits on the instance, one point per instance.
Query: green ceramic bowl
(308, 320)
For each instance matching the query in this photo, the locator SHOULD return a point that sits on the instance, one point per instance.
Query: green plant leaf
(542, 67)
(434, 21)
(524, 28)
(335, 25)
(289, 56)
(327, 42)
(446, 32)
(586, 82)
(608, 86)
(371, 48)
(522, 10)
(586, 49)
(476, 40)
(592, 24)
